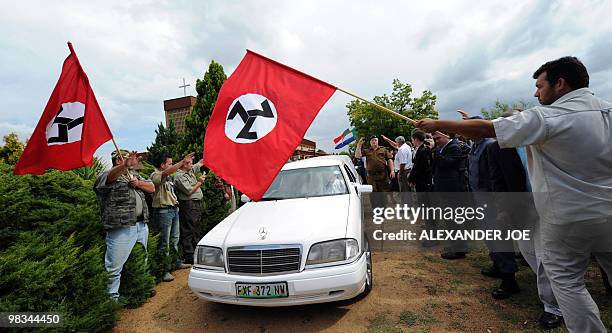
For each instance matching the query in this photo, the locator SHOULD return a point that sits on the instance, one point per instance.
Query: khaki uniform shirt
(569, 154)
(184, 182)
(164, 191)
(376, 160)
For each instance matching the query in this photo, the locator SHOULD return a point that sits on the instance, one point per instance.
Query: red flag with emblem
(71, 128)
(261, 115)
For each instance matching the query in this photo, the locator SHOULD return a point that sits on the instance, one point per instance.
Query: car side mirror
(244, 198)
(363, 188)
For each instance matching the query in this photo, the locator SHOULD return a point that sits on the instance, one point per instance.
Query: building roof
(179, 103)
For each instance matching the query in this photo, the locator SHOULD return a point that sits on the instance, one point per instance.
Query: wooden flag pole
(117, 149)
(383, 108)
(377, 105)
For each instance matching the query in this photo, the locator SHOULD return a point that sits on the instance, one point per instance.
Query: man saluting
(570, 165)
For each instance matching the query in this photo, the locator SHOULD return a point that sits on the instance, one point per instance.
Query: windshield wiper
(272, 199)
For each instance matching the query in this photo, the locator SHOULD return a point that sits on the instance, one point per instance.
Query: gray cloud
(136, 52)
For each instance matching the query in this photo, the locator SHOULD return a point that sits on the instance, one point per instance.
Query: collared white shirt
(569, 152)
(403, 156)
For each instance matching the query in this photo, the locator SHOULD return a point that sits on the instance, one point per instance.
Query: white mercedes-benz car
(302, 243)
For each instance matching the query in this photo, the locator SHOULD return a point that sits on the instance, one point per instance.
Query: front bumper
(319, 285)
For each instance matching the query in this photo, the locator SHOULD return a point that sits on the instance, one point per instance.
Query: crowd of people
(128, 202)
(559, 150)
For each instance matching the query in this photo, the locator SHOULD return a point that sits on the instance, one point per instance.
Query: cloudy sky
(137, 52)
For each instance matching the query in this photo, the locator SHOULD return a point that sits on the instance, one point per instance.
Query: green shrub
(45, 272)
(214, 207)
(157, 259)
(59, 203)
(52, 252)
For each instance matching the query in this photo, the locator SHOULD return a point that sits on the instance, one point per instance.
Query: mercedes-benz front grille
(264, 261)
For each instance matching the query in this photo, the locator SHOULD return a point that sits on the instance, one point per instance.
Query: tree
(167, 141)
(501, 107)
(369, 120)
(91, 172)
(12, 149)
(214, 207)
(196, 122)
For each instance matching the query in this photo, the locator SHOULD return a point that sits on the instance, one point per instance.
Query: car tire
(369, 274)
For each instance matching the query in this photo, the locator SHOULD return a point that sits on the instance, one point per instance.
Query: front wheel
(369, 281)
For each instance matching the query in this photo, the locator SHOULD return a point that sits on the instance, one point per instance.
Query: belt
(161, 209)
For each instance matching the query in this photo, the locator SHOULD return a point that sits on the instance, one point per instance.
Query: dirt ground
(413, 292)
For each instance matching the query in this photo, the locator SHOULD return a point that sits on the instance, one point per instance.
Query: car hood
(289, 221)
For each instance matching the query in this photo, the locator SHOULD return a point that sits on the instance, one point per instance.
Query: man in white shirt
(402, 156)
(403, 163)
(570, 167)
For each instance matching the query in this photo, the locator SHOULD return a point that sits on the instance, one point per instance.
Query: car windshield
(307, 182)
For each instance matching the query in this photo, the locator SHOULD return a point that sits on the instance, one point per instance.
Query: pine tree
(166, 142)
(196, 122)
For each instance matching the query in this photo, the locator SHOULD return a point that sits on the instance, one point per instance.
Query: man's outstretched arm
(471, 128)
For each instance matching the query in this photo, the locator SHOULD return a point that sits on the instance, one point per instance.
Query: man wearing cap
(570, 167)
(121, 196)
(378, 161)
(165, 209)
(190, 197)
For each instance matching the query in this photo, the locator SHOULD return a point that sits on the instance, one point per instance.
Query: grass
(383, 324)
(408, 318)
(526, 307)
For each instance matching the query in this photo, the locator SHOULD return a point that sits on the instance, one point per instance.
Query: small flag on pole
(71, 127)
(341, 136)
(345, 136)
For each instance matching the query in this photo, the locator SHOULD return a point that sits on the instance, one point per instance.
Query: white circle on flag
(67, 125)
(250, 117)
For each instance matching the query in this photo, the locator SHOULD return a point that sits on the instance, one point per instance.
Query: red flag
(71, 128)
(261, 115)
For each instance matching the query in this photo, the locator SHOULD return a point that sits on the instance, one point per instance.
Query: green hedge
(49, 273)
(52, 252)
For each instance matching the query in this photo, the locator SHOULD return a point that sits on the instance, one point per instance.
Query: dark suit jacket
(478, 166)
(448, 173)
(506, 169)
(421, 169)
(508, 175)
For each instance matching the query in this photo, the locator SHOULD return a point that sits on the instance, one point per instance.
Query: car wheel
(369, 275)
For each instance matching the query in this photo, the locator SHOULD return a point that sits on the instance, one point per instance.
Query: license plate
(262, 290)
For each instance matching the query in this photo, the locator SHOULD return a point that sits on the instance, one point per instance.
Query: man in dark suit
(449, 176)
(447, 165)
(420, 176)
(507, 173)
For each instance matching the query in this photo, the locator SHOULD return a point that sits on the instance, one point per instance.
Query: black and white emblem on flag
(67, 126)
(250, 118)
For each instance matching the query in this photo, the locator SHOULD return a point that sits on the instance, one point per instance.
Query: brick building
(177, 109)
(306, 149)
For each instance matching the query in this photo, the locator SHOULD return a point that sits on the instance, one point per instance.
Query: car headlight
(210, 257)
(340, 250)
